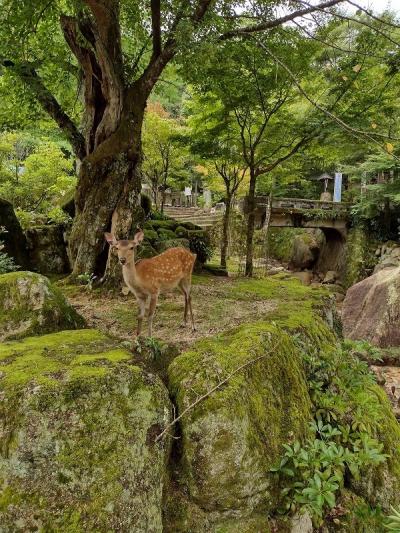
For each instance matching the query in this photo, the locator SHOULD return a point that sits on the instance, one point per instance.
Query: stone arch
(332, 253)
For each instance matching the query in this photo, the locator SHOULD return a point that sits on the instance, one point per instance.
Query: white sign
(337, 191)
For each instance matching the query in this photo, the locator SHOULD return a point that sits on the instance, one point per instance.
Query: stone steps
(196, 215)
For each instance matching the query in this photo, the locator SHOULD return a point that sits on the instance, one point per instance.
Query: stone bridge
(300, 213)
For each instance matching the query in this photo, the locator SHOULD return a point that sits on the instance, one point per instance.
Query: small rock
(330, 276)
(305, 277)
(301, 523)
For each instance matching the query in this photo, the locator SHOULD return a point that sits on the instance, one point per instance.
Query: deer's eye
(131, 247)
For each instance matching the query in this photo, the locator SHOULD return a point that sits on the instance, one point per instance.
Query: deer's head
(125, 249)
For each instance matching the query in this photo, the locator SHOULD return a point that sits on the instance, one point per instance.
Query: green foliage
(87, 280)
(7, 263)
(342, 442)
(200, 245)
(35, 174)
(393, 521)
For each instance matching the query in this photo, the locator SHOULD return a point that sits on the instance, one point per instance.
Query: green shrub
(199, 244)
(6, 262)
(348, 416)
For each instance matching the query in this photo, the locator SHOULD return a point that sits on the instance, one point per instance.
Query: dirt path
(215, 310)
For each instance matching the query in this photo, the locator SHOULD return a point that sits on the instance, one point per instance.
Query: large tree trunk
(108, 197)
(250, 223)
(225, 231)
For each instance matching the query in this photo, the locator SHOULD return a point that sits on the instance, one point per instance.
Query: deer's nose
(122, 260)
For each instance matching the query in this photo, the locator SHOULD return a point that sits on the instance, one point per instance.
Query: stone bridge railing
(299, 212)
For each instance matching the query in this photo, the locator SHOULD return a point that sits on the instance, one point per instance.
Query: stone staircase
(201, 217)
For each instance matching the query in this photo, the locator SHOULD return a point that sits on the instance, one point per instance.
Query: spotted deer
(148, 277)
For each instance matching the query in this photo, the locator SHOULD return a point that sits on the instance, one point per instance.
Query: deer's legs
(142, 310)
(152, 308)
(185, 286)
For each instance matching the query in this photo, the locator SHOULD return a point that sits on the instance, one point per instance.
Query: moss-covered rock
(166, 234)
(77, 438)
(48, 249)
(380, 485)
(182, 232)
(359, 256)
(150, 234)
(30, 305)
(356, 516)
(169, 224)
(233, 437)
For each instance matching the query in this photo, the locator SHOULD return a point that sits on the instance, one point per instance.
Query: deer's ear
(109, 237)
(138, 237)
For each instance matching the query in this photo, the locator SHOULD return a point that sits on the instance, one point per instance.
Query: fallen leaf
(389, 147)
(357, 68)
(373, 125)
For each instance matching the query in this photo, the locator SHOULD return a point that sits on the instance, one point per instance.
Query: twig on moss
(208, 393)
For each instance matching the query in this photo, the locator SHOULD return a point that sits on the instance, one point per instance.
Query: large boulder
(13, 238)
(232, 438)
(30, 305)
(306, 249)
(48, 249)
(77, 436)
(371, 309)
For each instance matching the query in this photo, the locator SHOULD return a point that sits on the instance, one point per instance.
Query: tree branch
(156, 27)
(296, 148)
(268, 24)
(354, 131)
(27, 73)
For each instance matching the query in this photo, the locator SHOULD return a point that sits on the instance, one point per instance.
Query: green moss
(53, 358)
(30, 305)
(150, 234)
(360, 258)
(79, 421)
(358, 517)
(166, 234)
(164, 224)
(256, 524)
(280, 242)
(182, 232)
(261, 407)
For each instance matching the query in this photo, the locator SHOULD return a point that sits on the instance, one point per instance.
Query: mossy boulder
(359, 256)
(77, 440)
(166, 234)
(163, 224)
(379, 486)
(232, 438)
(181, 231)
(48, 249)
(356, 516)
(150, 234)
(30, 305)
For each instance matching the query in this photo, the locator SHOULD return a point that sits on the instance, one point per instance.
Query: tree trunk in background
(225, 231)
(250, 223)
